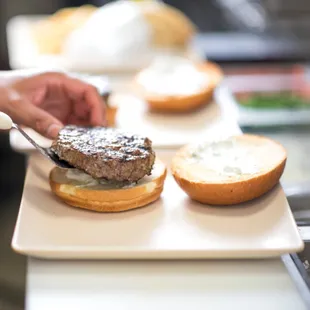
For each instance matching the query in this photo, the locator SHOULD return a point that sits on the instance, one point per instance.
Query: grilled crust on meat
(105, 152)
(111, 200)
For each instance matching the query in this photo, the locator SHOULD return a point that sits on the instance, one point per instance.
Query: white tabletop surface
(260, 284)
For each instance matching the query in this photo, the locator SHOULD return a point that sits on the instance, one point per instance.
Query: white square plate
(174, 227)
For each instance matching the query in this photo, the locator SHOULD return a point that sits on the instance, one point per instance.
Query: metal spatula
(6, 123)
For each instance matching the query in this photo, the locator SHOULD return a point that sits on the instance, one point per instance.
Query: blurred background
(277, 28)
(243, 36)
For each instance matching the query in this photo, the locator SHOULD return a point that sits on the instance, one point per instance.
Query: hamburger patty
(105, 153)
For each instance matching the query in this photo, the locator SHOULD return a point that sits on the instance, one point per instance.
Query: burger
(112, 171)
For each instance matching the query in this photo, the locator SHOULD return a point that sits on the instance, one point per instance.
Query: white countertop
(256, 284)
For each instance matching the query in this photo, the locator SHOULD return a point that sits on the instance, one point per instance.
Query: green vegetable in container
(282, 100)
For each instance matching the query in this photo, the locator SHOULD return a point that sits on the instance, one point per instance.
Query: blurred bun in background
(110, 37)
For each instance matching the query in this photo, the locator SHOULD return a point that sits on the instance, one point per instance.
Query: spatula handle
(6, 122)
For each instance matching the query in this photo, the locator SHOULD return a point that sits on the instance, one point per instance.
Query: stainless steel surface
(298, 196)
(244, 14)
(247, 47)
(297, 278)
(47, 152)
(269, 16)
(12, 265)
(299, 267)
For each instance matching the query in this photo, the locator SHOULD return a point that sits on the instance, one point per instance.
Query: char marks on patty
(106, 153)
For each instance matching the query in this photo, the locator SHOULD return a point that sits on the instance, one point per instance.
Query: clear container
(238, 88)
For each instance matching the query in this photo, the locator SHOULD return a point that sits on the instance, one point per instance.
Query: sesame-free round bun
(182, 102)
(230, 171)
(80, 190)
(51, 32)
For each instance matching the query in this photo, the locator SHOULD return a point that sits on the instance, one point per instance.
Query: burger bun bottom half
(106, 197)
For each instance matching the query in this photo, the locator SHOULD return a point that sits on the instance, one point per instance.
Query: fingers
(25, 113)
(81, 110)
(77, 103)
(42, 122)
(79, 91)
(98, 111)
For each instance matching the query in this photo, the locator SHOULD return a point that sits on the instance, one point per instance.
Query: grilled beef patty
(105, 153)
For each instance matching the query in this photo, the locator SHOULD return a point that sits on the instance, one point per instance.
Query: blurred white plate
(164, 130)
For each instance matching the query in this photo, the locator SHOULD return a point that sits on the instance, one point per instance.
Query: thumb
(43, 122)
(25, 113)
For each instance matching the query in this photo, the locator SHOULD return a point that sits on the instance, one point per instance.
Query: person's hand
(48, 101)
